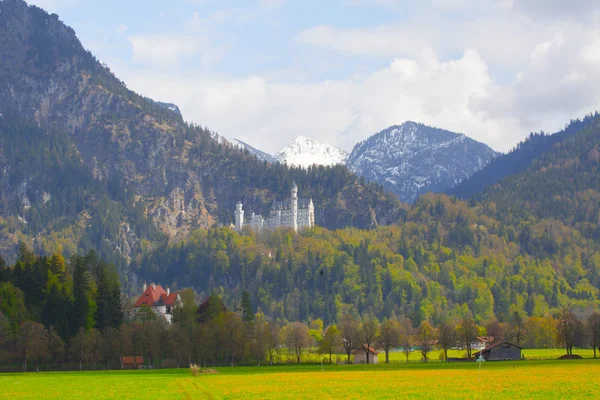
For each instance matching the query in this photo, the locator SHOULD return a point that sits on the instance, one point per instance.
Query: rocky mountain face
(412, 159)
(142, 174)
(304, 152)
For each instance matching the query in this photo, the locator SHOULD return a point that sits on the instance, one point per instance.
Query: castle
(292, 213)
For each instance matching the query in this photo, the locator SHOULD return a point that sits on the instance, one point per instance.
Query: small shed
(500, 351)
(132, 362)
(360, 355)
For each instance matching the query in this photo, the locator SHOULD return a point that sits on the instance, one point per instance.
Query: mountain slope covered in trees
(517, 160)
(153, 176)
(529, 245)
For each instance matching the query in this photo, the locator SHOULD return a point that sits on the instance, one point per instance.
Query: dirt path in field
(192, 382)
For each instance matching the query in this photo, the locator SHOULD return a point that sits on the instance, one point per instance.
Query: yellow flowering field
(573, 379)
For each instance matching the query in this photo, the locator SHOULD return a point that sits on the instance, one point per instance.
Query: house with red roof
(360, 355)
(162, 302)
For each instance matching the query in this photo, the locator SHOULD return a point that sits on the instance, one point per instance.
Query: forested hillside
(447, 259)
(517, 160)
(562, 184)
(135, 174)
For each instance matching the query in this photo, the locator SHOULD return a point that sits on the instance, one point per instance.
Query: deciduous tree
(389, 337)
(296, 338)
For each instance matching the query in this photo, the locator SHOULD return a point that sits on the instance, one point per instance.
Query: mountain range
(408, 159)
(86, 163)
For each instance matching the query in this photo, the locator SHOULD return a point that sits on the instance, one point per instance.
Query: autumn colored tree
(447, 337)
(406, 337)
(296, 338)
(567, 325)
(389, 337)
(593, 328)
(426, 335)
(467, 333)
(33, 343)
(348, 327)
(367, 333)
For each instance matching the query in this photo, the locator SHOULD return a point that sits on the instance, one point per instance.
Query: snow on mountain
(261, 155)
(304, 152)
(412, 159)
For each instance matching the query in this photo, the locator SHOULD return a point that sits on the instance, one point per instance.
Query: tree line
(71, 314)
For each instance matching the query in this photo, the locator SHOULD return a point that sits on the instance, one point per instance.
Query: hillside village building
(162, 302)
(292, 213)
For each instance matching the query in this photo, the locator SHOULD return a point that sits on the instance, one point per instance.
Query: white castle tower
(239, 217)
(294, 205)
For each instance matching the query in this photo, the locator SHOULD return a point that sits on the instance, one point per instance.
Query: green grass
(504, 380)
(527, 353)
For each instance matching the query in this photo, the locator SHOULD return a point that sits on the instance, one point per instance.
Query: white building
(292, 213)
(360, 355)
(162, 302)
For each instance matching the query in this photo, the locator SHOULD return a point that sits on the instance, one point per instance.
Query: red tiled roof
(372, 350)
(155, 295)
(132, 360)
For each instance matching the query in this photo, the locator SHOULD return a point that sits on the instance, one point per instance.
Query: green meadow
(499, 380)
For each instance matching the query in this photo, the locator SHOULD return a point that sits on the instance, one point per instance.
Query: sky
(266, 71)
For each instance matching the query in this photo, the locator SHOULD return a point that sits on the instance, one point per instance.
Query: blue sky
(265, 71)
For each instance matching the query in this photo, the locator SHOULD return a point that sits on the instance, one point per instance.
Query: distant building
(360, 355)
(292, 213)
(500, 351)
(132, 362)
(482, 342)
(162, 302)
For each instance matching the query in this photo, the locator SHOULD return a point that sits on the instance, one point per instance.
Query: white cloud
(169, 50)
(268, 114)
(440, 71)
(53, 6)
(557, 9)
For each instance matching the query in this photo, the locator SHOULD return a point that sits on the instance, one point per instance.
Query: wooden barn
(500, 351)
(131, 362)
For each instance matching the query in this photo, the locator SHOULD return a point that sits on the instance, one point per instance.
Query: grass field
(502, 380)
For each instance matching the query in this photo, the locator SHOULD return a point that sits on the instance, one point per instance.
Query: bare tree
(94, 344)
(567, 326)
(593, 328)
(181, 343)
(111, 345)
(406, 336)
(446, 337)
(231, 329)
(367, 333)
(56, 346)
(467, 333)
(389, 337)
(518, 328)
(296, 338)
(273, 340)
(33, 342)
(426, 338)
(348, 327)
(495, 329)
(258, 337)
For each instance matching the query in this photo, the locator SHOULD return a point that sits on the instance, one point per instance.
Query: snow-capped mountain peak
(412, 158)
(304, 152)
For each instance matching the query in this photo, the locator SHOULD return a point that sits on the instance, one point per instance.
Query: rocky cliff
(138, 162)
